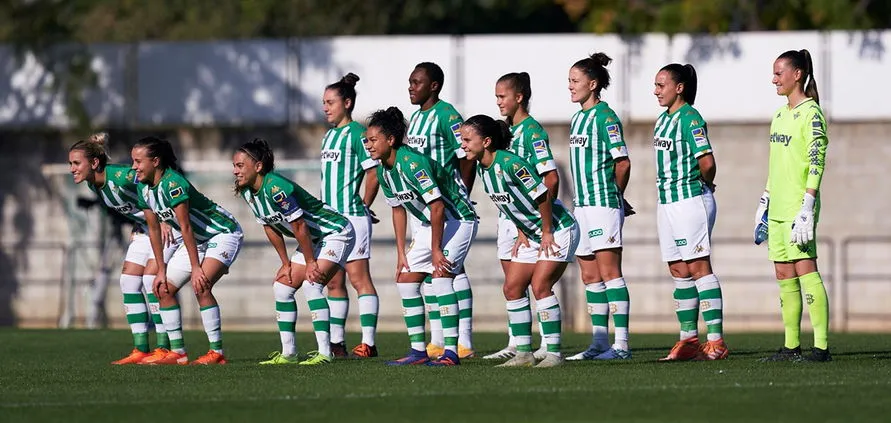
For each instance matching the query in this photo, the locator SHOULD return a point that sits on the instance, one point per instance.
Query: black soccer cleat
(784, 354)
(338, 350)
(817, 355)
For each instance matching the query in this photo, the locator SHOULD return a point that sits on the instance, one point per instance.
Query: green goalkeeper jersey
(416, 180)
(206, 217)
(344, 162)
(435, 133)
(797, 157)
(595, 143)
(680, 139)
(279, 202)
(119, 193)
(513, 185)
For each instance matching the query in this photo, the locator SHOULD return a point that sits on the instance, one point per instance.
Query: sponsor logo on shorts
(330, 253)
(578, 141)
(698, 249)
(680, 242)
(211, 245)
(595, 232)
(225, 255)
(611, 240)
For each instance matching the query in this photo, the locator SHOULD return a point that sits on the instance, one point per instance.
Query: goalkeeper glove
(803, 225)
(761, 219)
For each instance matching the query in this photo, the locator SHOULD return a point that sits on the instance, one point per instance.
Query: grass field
(64, 375)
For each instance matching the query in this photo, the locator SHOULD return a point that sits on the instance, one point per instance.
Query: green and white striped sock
(549, 316)
(286, 317)
(137, 313)
(598, 308)
(465, 310)
(448, 311)
(161, 339)
(173, 323)
(712, 305)
(619, 305)
(686, 306)
(413, 313)
(339, 308)
(368, 311)
(520, 316)
(318, 308)
(210, 317)
(436, 337)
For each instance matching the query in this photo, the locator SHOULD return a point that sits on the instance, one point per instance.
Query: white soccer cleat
(522, 359)
(588, 354)
(507, 352)
(550, 360)
(541, 352)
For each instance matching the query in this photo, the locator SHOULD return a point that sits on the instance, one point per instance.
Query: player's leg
(359, 272)
(519, 312)
(136, 311)
(686, 297)
(545, 276)
(595, 288)
(339, 306)
(817, 303)
(464, 293)
(221, 252)
(408, 283)
(608, 252)
(162, 341)
(507, 235)
(179, 271)
(283, 290)
(778, 239)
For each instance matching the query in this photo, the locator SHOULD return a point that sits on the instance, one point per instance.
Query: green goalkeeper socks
(818, 307)
(790, 303)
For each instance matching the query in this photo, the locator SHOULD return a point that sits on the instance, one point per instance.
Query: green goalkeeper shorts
(780, 247)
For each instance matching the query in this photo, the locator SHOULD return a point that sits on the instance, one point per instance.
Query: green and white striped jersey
(679, 140)
(531, 142)
(415, 180)
(513, 186)
(435, 133)
(120, 194)
(279, 202)
(344, 162)
(207, 218)
(595, 141)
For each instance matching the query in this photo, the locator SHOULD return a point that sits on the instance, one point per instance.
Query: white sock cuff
(596, 287)
(443, 286)
(409, 290)
(547, 302)
(461, 282)
(283, 293)
(615, 283)
(707, 282)
(517, 304)
(313, 291)
(684, 283)
(147, 282)
(131, 284)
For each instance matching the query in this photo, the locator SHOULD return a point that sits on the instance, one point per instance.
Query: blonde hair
(94, 148)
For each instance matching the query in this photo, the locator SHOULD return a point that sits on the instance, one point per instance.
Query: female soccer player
(116, 185)
(685, 175)
(345, 163)
(791, 200)
(433, 132)
(600, 171)
(415, 183)
(211, 241)
(324, 237)
(546, 239)
(513, 91)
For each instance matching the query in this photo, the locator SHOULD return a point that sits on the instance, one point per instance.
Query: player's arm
(181, 212)
(708, 169)
(400, 220)
(441, 264)
(371, 187)
(278, 242)
(817, 144)
(154, 233)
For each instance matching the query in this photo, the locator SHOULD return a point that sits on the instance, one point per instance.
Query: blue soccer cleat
(414, 357)
(449, 358)
(614, 354)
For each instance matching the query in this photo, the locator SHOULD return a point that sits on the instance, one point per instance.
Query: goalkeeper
(792, 203)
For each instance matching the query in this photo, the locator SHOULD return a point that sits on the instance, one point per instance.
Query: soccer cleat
(434, 351)
(316, 358)
(713, 350)
(614, 354)
(588, 354)
(520, 359)
(276, 357)
(448, 358)
(784, 354)
(541, 352)
(212, 357)
(365, 351)
(683, 350)
(162, 356)
(817, 355)
(157, 352)
(550, 360)
(338, 350)
(414, 357)
(134, 357)
(507, 352)
(464, 352)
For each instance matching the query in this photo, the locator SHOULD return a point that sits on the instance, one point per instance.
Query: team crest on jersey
(275, 189)
(540, 148)
(699, 137)
(423, 178)
(612, 131)
(796, 115)
(610, 119)
(525, 177)
(176, 192)
(118, 174)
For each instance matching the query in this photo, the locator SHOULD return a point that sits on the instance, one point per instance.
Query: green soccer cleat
(315, 359)
(277, 357)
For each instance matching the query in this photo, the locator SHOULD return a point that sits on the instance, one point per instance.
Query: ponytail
(801, 60)
(162, 150)
(594, 66)
(496, 130)
(684, 74)
(93, 148)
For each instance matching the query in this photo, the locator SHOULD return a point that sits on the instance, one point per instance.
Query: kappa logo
(525, 177)
(330, 253)
(698, 249)
(225, 255)
(680, 242)
(330, 156)
(611, 240)
(361, 250)
(578, 141)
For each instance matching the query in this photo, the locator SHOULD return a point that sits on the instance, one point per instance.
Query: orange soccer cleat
(365, 351)
(212, 357)
(713, 350)
(134, 357)
(165, 356)
(685, 349)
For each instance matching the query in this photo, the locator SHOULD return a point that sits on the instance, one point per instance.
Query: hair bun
(100, 138)
(601, 59)
(350, 79)
(395, 113)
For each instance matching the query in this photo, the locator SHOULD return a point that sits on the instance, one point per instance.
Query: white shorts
(362, 247)
(507, 236)
(140, 249)
(685, 227)
(566, 238)
(223, 248)
(456, 239)
(600, 228)
(334, 248)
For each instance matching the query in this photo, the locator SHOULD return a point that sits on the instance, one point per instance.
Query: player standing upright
(547, 236)
(791, 200)
(513, 91)
(433, 132)
(211, 236)
(414, 183)
(345, 163)
(116, 185)
(600, 172)
(685, 176)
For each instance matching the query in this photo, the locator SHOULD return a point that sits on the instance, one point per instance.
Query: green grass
(64, 375)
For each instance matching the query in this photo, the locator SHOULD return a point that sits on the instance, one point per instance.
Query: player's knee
(589, 275)
(542, 290)
(512, 292)
(679, 270)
